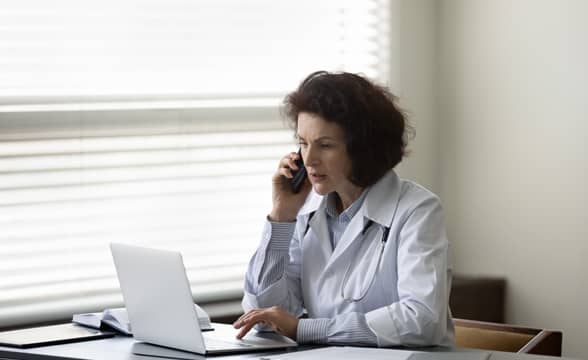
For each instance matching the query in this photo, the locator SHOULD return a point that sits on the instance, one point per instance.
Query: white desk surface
(119, 348)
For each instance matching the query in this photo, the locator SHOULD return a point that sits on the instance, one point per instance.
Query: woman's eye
(325, 145)
(302, 144)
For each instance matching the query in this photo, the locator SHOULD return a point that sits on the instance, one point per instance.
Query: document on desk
(354, 353)
(343, 353)
(450, 355)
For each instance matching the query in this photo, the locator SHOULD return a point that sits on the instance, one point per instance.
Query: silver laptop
(161, 311)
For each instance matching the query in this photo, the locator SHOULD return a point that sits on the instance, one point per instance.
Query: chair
(503, 337)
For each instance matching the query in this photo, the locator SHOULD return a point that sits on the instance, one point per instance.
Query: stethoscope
(364, 293)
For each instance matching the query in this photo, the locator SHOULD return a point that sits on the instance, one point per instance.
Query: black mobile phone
(298, 175)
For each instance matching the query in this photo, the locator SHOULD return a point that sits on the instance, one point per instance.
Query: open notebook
(118, 319)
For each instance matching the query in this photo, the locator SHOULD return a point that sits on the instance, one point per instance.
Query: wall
(412, 78)
(513, 120)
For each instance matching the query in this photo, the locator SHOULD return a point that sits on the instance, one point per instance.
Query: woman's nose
(310, 157)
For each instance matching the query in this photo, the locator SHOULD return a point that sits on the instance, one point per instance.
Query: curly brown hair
(376, 130)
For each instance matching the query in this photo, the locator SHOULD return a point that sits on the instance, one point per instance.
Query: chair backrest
(503, 337)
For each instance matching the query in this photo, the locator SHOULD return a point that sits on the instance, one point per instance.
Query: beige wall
(498, 91)
(413, 80)
(513, 93)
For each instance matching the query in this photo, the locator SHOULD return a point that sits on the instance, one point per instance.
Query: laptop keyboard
(217, 344)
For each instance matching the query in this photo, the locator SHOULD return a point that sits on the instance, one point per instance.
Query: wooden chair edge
(547, 342)
(544, 342)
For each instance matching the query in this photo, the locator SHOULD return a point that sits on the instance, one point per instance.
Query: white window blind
(200, 185)
(204, 48)
(151, 122)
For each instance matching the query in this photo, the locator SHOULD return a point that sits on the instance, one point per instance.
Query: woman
(360, 251)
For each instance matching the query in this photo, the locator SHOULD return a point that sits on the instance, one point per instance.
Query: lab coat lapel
(351, 233)
(382, 201)
(320, 230)
(314, 206)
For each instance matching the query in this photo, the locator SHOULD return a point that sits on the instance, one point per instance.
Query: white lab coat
(404, 299)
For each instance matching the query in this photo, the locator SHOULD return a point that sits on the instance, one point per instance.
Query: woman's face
(325, 155)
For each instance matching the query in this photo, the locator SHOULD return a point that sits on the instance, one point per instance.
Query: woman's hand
(280, 321)
(285, 202)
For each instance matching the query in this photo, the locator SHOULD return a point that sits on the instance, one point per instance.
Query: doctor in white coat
(358, 256)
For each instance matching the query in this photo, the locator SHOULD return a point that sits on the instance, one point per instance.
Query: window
(195, 48)
(151, 122)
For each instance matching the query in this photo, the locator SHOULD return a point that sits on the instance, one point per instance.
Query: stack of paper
(345, 353)
(354, 353)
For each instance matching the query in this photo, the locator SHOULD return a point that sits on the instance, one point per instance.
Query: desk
(119, 348)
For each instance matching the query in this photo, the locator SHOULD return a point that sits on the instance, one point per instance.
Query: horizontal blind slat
(109, 284)
(130, 190)
(24, 214)
(63, 308)
(88, 144)
(88, 161)
(48, 240)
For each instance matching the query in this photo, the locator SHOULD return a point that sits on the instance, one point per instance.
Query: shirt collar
(347, 214)
(381, 200)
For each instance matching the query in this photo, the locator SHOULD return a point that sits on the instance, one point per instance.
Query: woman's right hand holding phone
(286, 203)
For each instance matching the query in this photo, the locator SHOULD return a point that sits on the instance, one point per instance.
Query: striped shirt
(337, 223)
(350, 328)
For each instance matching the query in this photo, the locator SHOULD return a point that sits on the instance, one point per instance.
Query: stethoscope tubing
(350, 266)
(352, 263)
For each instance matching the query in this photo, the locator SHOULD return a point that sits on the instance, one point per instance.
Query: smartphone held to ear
(298, 175)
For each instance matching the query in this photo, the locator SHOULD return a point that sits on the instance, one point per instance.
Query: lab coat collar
(379, 205)
(382, 199)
